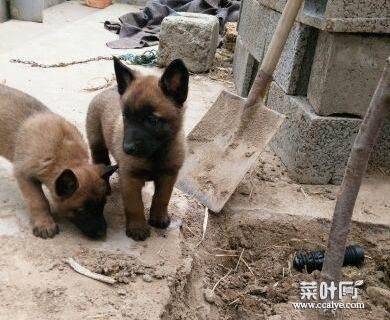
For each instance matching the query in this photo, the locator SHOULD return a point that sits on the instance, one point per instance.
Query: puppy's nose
(130, 147)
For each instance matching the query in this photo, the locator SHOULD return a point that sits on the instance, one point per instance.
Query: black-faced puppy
(140, 123)
(47, 150)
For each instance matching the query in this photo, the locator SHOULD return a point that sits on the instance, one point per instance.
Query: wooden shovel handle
(279, 38)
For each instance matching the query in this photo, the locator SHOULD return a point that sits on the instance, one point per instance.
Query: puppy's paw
(46, 230)
(139, 233)
(160, 222)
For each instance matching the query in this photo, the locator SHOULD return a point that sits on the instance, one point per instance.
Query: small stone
(244, 190)
(230, 35)
(122, 292)
(209, 296)
(249, 154)
(258, 291)
(330, 196)
(147, 278)
(275, 317)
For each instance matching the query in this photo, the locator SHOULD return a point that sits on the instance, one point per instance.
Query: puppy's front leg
(43, 223)
(159, 217)
(131, 190)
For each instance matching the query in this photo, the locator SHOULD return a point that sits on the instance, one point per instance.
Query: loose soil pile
(263, 284)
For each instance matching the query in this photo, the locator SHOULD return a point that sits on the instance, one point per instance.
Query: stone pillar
(323, 82)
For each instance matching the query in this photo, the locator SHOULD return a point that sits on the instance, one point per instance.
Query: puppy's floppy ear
(108, 171)
(124, 75)
(174, 81)
(66, 183)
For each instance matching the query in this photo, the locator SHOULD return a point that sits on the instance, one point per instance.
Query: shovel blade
(218, 158)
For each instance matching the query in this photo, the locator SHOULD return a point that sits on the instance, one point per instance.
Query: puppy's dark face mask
(90, 219)
(151, 108)
(82, 193)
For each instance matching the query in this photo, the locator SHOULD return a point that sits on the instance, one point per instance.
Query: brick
(345, 72)
(192, 37)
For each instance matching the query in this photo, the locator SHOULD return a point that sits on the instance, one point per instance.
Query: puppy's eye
(80, 211)
(126, 114)
(153, 120)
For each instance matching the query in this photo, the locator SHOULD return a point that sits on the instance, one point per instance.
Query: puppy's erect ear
(174, 81)
(124, 75)
(108, 171)
(66, 184)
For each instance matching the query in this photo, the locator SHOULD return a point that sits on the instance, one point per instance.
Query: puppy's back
(15, 108)
(103, 115)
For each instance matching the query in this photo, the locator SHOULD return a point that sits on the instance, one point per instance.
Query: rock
(330, 196)
(379, 296)
(258, 291)
(209, 296)
(230, 35)
(122, 292)
(147, 278)
(192, 37)
(244, 190)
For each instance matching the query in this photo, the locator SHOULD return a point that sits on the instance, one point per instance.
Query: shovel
(228, 140)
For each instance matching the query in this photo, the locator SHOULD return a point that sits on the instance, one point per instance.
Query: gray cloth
(137, 30)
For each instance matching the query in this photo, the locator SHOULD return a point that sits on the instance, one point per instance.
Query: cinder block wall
(323, 82)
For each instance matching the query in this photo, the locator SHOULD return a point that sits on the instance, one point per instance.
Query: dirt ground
(263, 284)
(37, 282)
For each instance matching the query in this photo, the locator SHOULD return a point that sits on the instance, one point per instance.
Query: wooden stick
(239, 259)
(355, 170)
(217, 283)
(205, 222)
(85, 272)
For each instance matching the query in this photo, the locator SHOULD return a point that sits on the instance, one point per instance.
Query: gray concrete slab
(341, 16)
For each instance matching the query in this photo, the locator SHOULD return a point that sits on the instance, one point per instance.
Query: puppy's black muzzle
(91, 221)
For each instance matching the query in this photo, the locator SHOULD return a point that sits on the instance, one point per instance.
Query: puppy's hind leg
(99, 150)
(43, 223)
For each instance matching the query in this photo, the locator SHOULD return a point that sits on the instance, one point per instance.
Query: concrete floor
(72, 32)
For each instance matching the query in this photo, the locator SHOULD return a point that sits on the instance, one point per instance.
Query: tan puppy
(47, 150)
(140, 124)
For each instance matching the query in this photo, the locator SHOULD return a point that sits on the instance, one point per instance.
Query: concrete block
(315, 149)
(26, 10)
(345, 72)
(341, 15)
(4, 14)
(244, 68)
(192, 37)
(256, 28)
